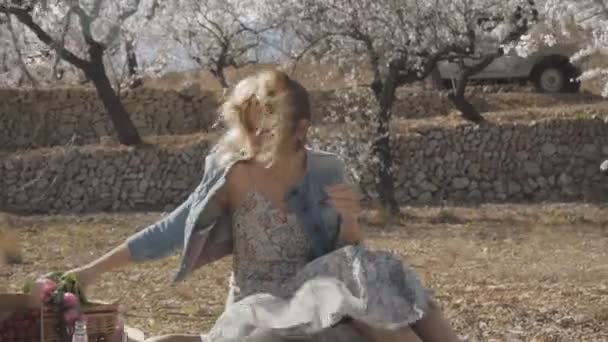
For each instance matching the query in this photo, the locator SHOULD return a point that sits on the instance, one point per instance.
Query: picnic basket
(29, 325)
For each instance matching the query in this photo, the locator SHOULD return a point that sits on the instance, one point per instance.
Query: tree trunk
(457, 96)
(132, 64)
(94, 70)
(381, 148)
(131, 58)
(219, 75)
(466, 108)
(127, 133)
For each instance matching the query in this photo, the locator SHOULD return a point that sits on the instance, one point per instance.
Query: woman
(300, 271)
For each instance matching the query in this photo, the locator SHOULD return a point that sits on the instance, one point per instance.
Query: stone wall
(554, 160)
(59, 117)
(549, 160)
(69, 116)
(75, 116)
(100, 178)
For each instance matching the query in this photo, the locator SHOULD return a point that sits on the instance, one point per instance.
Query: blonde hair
(279, 98)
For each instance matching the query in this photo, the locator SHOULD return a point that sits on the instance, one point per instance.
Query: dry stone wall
(59, 117)
(548, 160)
(551, 160)
(100, 178)
(75, 116)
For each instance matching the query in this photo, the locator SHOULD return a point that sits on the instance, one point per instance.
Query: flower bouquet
(63, 303)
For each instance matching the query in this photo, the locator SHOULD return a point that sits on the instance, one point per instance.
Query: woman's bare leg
(175, 338)
(378, 335)
(434, 326)
(401, 335)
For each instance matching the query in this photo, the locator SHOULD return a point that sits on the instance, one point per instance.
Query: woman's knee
(405, 334)
(174, 338)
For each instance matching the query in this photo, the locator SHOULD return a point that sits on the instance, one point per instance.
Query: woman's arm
(160, 238)
(350, 231)
(154, 242)
(116, 258)
(346, 202)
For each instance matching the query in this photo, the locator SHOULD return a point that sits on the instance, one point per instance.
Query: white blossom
(584, 22)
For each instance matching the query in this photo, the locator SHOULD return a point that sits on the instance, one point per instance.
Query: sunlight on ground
(508, 272)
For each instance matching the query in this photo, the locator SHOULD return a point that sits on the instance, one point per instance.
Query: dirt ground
(501, 272)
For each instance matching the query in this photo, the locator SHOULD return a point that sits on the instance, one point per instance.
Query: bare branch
(298, 57)
(114, 31)
(20, 61)
(152, 12)
(85, 23)
(64, 32)
(24, 16)
(96, 9)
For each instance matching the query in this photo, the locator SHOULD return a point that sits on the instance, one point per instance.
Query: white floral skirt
(352, 282)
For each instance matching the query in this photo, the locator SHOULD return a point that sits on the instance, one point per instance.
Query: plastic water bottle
(80, 331)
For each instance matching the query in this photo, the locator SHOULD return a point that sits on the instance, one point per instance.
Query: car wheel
(550, 79)
(556, 78)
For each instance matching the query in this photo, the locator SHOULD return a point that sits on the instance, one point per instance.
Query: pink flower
(70, 300)
(46, 287)
(71, 316)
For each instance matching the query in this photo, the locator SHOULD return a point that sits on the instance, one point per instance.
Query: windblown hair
(280, 102)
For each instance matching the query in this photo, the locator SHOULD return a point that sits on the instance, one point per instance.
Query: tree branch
(468, 71)
(122, 17)
(66, 26)
(22, 65)
(152, 11)
(311, 45)
(24, 16)
(218, 36)
(85, 24)
(372, 54)
(96, 8)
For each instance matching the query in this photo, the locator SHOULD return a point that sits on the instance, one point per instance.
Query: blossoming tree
(491, 32)
(582, 21)
(402, 40)
(81, 33)
(215, 34)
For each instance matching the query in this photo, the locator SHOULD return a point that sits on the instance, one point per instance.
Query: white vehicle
(549, 69)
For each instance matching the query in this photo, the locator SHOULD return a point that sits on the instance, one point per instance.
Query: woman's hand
(89, 273)
(347, 203)
(86, 275)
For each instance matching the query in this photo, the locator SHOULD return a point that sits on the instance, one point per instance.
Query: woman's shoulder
(323, 162)
(222, 158)
(221, 164)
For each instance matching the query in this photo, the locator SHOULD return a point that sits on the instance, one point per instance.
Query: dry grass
(502, 273)
(10, 246)
(319, 76)
(517, 115)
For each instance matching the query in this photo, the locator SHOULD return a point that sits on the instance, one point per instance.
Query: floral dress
(276, 294)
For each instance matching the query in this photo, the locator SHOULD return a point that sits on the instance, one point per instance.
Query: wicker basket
(43, 325)
(101, 322)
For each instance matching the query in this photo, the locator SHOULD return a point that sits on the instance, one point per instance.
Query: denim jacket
(205, 229)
